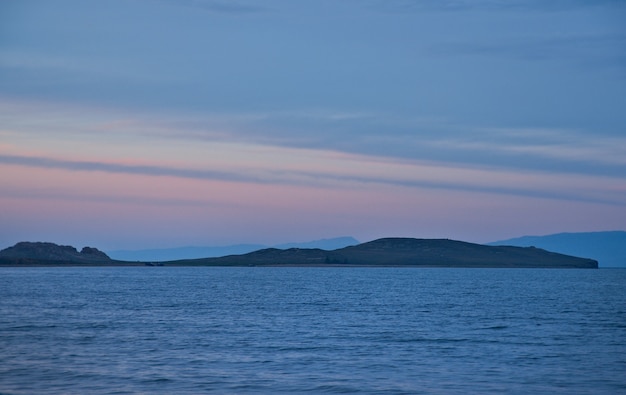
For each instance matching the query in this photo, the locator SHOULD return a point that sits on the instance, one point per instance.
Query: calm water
(317, 330)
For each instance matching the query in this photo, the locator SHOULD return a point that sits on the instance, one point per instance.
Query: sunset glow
(263, 127)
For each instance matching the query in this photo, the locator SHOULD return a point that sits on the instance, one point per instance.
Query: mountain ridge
(381, 252)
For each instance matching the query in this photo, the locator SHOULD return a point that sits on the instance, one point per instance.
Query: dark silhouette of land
(49, 254)
(403, 252)
(194, 252)
(381, 252)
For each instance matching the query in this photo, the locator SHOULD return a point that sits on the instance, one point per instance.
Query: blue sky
(148, 123)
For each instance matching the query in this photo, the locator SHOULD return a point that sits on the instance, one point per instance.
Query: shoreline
(294, 265)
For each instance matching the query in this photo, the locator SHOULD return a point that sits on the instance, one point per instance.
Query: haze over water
(320, 330)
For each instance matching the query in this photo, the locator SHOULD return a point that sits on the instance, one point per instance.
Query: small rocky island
(49, 254)
(382, 252)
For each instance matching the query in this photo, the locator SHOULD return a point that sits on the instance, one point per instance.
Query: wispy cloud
(252, 141)
(298, 108)
(222, 7)
(69, 68)
(148, 170)
(494, 5)
(355, 171)
(591, 50)
(47, 194)
(555, 144)
(540, 149)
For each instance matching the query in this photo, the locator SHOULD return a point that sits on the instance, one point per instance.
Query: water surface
(318, 330)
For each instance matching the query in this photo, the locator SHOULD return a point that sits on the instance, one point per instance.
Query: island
(385, 252)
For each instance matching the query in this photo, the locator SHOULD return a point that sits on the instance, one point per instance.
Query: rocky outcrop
(94, 253)
(28, 252)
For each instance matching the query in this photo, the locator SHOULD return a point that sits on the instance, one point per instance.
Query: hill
(193, 252)
(608, 248)
(403, 252)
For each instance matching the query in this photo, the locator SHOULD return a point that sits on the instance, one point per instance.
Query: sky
(154, 123)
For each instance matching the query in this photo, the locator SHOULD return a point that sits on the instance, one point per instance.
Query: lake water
(160, 330)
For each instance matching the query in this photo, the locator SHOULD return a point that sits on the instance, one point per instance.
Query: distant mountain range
(381, 252)
(608, 248)
(172, 254)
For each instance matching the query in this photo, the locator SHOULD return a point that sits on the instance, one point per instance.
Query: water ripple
(315, 330)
